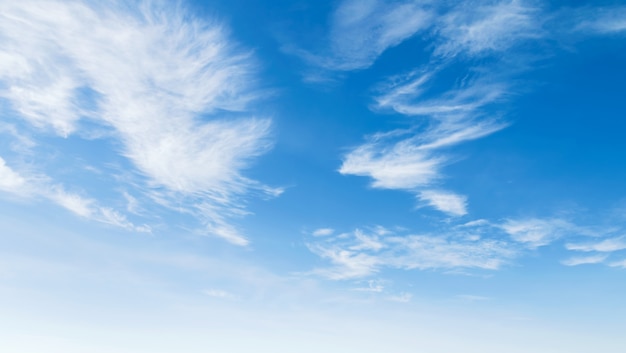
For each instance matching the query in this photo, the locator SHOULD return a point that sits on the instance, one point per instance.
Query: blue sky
(312, 176)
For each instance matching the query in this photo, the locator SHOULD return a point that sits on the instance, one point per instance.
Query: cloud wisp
(603, 21)
(361, 253)
(606, 245)
(478, 29)
(535, 232)
(475, 245)
(40, 186)
(360, 31)
(157, 79)
(584, 260)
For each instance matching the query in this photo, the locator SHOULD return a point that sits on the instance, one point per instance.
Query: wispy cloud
(361, 253)
(453, 115)
(584, 260)
(361, 30)
(405, 160)
(535, 232)
(156, 77)
(445, 201)
(621, 263)
(372, 286)
(40, 186)
(476, 29)
(9, 179)
(401, 298)
(476, 245)
(399, 165)
(405, 95)
(604, 20)
(606, 245)
(322, 232)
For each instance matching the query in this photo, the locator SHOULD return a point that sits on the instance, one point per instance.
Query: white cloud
(361, 30)
(367, 242)
(606, 245)
(9, 180)
(414, 163)
(535, 232)
(347, 264)
(352, 257)
(404, 94)
(476, 223)
(400, 165)
(584, 260)
(476, 29)
(412, 160)
(156, 76)
(444, 201)
(27, 186)
(73, 202)
(372, 286)
(322, 232)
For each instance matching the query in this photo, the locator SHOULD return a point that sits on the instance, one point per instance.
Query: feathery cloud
(9, 179)
(360, 254)
(445, 201)
(535, 232)
(584, 260)
(156, 77)
(606, 245)
(361, 30)
(322, 232)
(475, 29)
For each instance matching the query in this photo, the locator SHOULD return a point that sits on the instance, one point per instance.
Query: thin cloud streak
(606, 245)
(605, 20)
(40, 186)
(361, 30)
(585, 260)
(361, 254)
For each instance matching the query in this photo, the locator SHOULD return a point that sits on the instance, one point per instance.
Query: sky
(312, 176)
